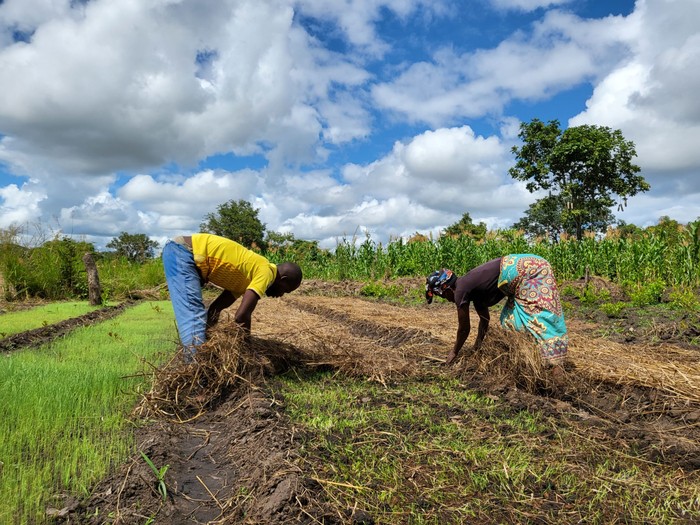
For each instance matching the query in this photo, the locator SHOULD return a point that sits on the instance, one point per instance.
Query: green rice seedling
(64, 417)
(20, 321)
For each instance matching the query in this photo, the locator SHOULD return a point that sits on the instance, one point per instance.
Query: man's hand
(212, 318)
(224, 300)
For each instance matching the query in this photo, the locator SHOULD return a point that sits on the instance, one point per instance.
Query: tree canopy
(285, 247)
(465, 226)
(547, 217)
(589, 168)
(136, 247)
(238, 221)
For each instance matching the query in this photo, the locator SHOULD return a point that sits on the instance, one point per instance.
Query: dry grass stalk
(329, 338)
(677, 373)
(509, 357)
(183, 390)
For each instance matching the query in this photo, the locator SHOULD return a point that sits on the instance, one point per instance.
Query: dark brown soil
(236, 464)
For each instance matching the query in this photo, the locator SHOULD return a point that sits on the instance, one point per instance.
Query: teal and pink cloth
(533, 304)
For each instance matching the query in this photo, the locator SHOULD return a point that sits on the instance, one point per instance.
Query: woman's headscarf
(437, 282)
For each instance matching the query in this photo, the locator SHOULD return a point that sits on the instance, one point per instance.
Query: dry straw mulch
(359, 337)
(384, 343)
(669, 369)
(226, 365)
(357, 341)
(511, 358)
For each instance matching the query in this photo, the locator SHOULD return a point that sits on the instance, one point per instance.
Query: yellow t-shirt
(232, 266)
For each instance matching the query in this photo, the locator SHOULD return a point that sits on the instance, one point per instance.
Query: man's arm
(463, 330)
(224, 300)
(245, 311)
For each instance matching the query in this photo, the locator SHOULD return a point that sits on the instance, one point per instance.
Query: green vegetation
(159, 474)
(54, 270)
(650, 257)
(379, 290)
(238, 221)
(586, 170)
(134, 247)
(613, 309)
(43, 315)
(434, 452)
(63, 416)
(647, 263)
(120, 277)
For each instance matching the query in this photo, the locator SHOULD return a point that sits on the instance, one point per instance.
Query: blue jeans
(185, 290)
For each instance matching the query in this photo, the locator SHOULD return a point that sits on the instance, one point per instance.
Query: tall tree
(547, 217)
(136, 247)
(543, 218)
(465, 226)
(237, 221)
(589, 167)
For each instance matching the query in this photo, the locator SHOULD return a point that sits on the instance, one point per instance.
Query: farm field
(340, 411)
(42, 315)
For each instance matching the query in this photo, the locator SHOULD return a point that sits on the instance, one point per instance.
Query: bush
(684, 299)
(380, 290)
(613, 309)
(646, 294)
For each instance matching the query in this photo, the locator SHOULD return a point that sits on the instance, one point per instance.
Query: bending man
(532, 305)
(192, 261)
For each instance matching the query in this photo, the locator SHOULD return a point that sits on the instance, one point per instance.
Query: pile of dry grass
(671, 371)
(225, 363)
(509, 358)
(328, 338)
(513, 357)
(182, 390)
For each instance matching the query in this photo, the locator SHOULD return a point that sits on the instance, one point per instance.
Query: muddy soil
(236, 464)
(239, 462)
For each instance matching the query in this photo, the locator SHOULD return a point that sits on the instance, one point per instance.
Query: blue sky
(362, 117)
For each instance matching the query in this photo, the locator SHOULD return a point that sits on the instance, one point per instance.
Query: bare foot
(556, 373)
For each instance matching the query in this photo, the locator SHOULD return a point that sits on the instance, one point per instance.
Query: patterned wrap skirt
(533, 304)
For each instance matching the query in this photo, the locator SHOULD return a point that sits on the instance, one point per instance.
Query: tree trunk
(94, 290)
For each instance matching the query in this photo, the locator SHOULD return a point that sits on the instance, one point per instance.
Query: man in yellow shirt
(192, 261)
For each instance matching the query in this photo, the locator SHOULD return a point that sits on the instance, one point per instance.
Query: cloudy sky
(333, 118)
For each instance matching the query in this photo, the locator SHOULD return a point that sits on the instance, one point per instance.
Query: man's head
(288, 279)
(439, 283)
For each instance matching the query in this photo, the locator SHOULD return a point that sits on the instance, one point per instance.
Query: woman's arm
(463, 330)
(484, 318)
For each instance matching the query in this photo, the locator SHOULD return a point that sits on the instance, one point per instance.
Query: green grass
(434, 452)
(64, 412)
(15, 322)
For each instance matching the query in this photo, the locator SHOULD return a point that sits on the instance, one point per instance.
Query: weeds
(160, 475)
(437, 453)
